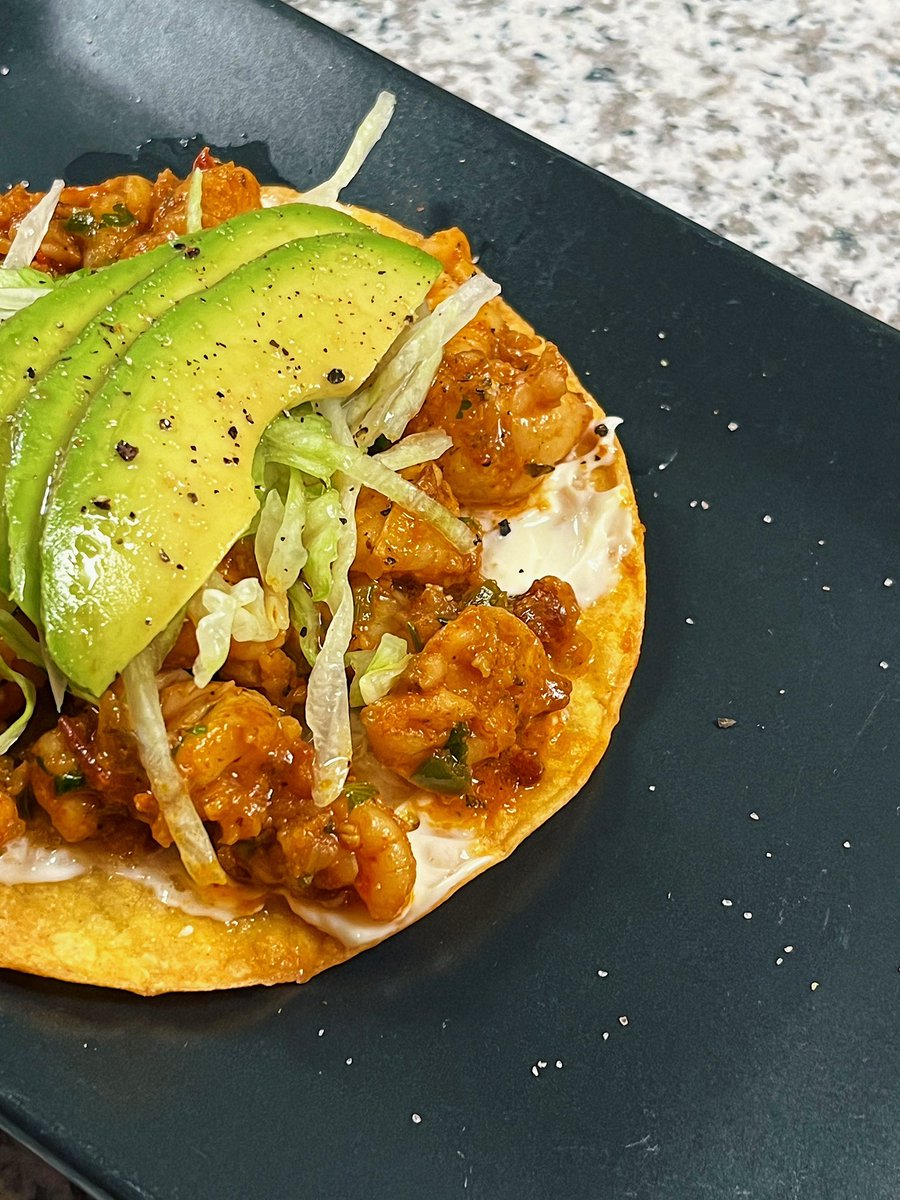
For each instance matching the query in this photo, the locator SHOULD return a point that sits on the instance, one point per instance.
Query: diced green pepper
(70, 782)
(358, 793)
(445, 771)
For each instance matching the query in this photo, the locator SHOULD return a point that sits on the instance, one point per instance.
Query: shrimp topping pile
(501, 395)
(487, 675)
(96, 225)
(484, 670)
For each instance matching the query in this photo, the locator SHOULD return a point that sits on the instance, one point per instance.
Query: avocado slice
(33, 340)
(49, 411)
(156, 483)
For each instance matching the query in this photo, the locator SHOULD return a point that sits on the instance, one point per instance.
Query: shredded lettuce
(33, 229)
(13, 278)
(364, 140)
(166, 781)
(376, 671)
(280, 549)
(59, 684)
(25, 648)
(244, 612)
(416, 449)
(14, 731)
(194, 221)
(400, 383)
(327, 703)
(299, 443)
(305, 619)
(21, 286)
(321, 538)
(19, 640)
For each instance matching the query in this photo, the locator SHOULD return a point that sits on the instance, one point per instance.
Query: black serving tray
(733, 1076)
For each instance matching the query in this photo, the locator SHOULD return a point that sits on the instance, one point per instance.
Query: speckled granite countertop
(775, 124)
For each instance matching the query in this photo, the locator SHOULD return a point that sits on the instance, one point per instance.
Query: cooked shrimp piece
(414, 613)
(126, 215)
(11, 824)
(58, 782)
(237, 752)
(228, 190)
(394, 542)
(503, 397)
(505, 401)
(90, 224)
(267, 668)
(550, 610)
(386, 867)
(485, 670)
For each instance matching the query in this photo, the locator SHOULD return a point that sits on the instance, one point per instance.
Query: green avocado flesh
(51, 408)
(33, 340)
(156, 483)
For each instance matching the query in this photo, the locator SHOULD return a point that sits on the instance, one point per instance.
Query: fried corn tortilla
(112, 931)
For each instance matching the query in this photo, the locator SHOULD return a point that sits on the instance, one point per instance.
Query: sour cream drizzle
(445, 859)
(164, 875)
(569, 530)
(23, 861)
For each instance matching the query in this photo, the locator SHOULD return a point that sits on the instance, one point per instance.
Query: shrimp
(267, 668)
(73, 779)
(503, 397)
(386, 867)
(485, 670)
(394, 542)
(550, 610)
(237, 752)
(263, 666)
(506, 403)
(126, 215)
(89, 226)
(11, 824)
(415, 614)
(228, 190)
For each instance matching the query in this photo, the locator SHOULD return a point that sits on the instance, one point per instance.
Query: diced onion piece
(33, 229)
(166, 781)
(364, 140)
